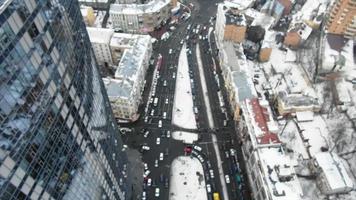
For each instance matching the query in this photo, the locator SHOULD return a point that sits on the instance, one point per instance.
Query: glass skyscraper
(58, 137)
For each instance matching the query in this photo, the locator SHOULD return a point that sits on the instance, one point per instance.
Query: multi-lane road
(225, 133)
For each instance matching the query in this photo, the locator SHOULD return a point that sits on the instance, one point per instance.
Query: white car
(211, 173)
(146, 148)
(156, 163)
(198, 148)
(174, 75)
(170, 51)
(149, 182)
(182, 41)
(232, 152)
(157, 192)
(168, 134)
(146, 119)
(147, 172)
(143, 195)
(160, 156)
(200, 158)
(145, 166)
(152, 112)
(208, 188)
(227, 179)
(158, 141)
(146, 134)
(166, 102)
(164, 83)
(164, 115)
(160, 124)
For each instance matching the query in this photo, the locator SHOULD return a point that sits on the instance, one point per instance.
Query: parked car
(227, 179)
(208, 188)
(166, 183)
(149, 182)
(147, 172)
(211, 173)
(156, 163)
(160, 156)
(166, 101)
(198, 148)
(160, 124)
(164, 115)
(157, 192)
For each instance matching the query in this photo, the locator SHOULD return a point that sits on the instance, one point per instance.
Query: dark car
(166, 183)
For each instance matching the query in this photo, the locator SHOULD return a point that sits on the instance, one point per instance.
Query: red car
(188, 149)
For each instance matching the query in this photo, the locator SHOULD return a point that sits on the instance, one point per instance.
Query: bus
(216, 196)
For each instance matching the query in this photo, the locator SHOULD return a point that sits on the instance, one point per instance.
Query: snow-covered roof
(94, 1)
(84, 10)
(305, 116)
(335, 173)
(258, 118)
(136, 9)
(132, 58)
(235, 61)
(118, 88)
(187, 179)
(239, 4)
(100, 35)
(278, 174)
(338, 50)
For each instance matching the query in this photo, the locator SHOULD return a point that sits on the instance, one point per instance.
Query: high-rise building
(58, 137)
(342, 19)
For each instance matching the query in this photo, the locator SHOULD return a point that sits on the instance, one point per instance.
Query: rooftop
(118, 88)
(132, 58)
(239, 4)
(100, 35)
(94, 1)
(134, 9)
(335, 172)
(261, 126)
(282, 182)
(4, 4)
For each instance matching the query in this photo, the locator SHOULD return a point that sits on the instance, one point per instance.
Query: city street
(221, 124)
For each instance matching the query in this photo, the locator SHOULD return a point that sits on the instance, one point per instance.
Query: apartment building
(342, 18)
(130, 73)
(100, 40)
(270, 170)
(140, 18)
(230, 24)
(58, 139)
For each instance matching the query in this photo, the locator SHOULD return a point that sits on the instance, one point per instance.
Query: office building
(58, 137)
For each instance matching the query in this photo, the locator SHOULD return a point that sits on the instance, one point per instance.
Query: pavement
(226, 136)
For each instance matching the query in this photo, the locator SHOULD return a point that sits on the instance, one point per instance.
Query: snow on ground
(183, 113)
(186, 137)
(187, 179)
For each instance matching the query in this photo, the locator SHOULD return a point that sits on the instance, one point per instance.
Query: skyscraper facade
(58, 138)
(342, 18)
